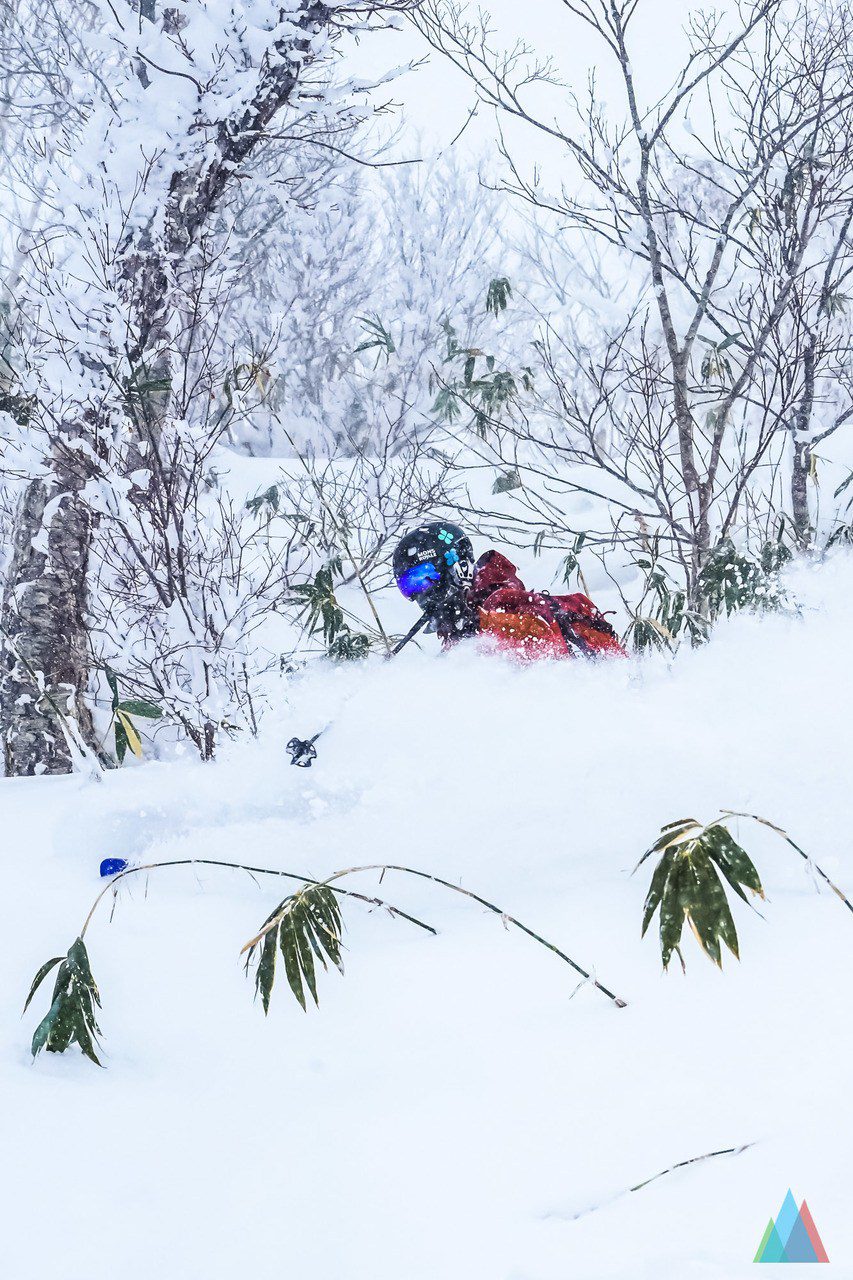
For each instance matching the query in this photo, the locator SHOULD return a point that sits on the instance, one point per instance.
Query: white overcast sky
(436, 98)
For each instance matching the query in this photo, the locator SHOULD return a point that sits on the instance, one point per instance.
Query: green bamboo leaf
(291, 959)
(682, 823)
(677, 835)
(653, 898)
(665, 841)
(121, 741)
(63, 979)
(81, 1034)
(40, 977)
(730, 878)
(305, 955)
(327, 921)
(140, 707)
(331, 943)
(45, 1027)
(725, 925)
(133, 739)
(700, 906)
(498, 294)
(78, 959)
(671, 912)
(734, 862)
(265, 976)
(728, 931)
(327, 906)
(87, 1004)
(706, 938)
(844, 485)
(62, 1031)
(317, 935)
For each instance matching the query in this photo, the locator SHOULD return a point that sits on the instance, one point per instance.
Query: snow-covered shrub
(142, 126)
(731, 580)
(346, 296)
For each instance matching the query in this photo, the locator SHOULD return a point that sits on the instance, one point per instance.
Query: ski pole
(302, 750)
(410, 635)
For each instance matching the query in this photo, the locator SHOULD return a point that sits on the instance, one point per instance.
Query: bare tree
(670, 415)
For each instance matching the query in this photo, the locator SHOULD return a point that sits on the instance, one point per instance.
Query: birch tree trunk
(44, 642)
(801, 463)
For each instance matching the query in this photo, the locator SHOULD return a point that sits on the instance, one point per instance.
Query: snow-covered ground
(456, 1109)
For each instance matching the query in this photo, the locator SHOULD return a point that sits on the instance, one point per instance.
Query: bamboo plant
(687, 884)
(305, 928)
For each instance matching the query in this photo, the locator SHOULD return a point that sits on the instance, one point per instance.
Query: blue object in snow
(112, 866)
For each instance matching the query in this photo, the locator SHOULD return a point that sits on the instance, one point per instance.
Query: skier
(434, 566)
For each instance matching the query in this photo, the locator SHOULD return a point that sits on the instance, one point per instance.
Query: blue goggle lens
(418, 579)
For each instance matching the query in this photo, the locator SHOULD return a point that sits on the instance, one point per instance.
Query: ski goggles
(418, 579)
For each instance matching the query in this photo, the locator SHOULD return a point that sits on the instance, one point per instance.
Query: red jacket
(535, 624)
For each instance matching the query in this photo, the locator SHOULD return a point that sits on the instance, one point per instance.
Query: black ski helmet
(433, 562)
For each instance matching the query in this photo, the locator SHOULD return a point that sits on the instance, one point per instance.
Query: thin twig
(682, 1164)
(264, 871)
(315, 484)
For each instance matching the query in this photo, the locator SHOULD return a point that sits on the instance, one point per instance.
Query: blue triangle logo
(792, 1237)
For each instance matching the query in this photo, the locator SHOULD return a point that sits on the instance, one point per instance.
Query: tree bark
(44, 625)
(800, 470)
(802, 460)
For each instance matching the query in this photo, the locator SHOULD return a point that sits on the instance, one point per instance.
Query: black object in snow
(302, 751)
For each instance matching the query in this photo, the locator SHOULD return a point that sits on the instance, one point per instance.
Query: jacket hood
(492, 571)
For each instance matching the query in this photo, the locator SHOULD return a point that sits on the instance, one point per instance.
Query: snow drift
(459, 1107)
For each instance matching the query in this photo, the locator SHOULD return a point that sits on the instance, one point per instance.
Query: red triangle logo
(811, 1229)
